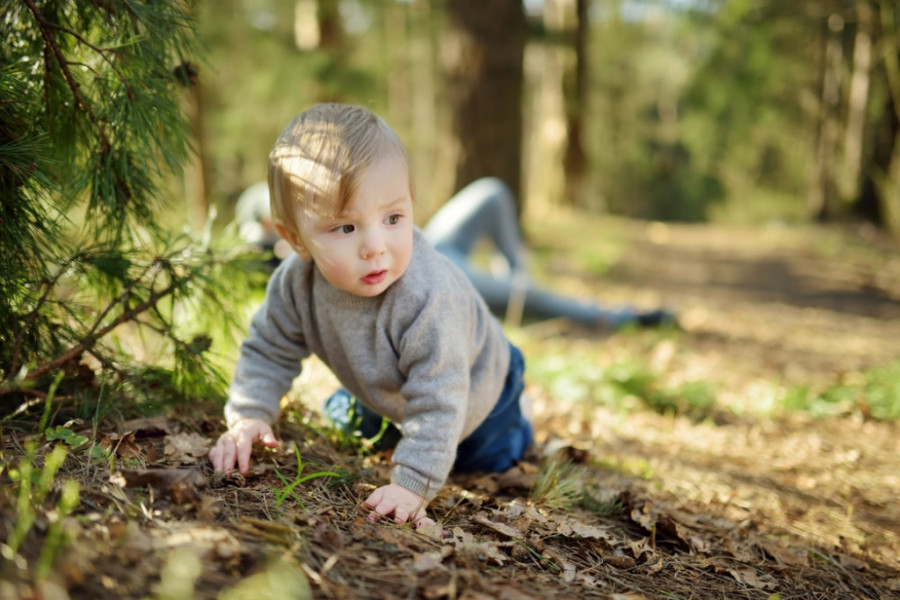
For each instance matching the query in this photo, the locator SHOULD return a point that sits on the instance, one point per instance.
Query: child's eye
(345, 228)
(393, 219)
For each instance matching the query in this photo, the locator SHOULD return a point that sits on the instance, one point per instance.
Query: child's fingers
(374, 499)
(268, 440)
(401, 515)
(243, 447)
(220, 457)
(381, 508)
(215, 457)
(227, 451)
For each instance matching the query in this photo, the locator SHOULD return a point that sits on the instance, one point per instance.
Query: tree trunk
(197, 171)
(857, 103)
(484, 84)
(433, 168)
(575, 90)
(822, 196)
(331, 28)
(879, 200)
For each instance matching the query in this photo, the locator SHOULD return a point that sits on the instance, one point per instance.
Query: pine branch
(46, 28)
(126, 293)
(88, 342)
(103, 52)
(32, 316)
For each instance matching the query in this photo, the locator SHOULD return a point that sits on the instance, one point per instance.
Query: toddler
(400, 325)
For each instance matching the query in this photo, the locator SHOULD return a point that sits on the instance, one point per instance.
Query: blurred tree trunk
(575, 90)
(431, 162)
(880, 197)
(318, 24)
(397, 51)
(197, 171)
(822, 197)
(879, 200)
(484, 84)
(857, 102)
(331, 29)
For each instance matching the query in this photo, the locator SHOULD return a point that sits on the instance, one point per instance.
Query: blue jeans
(495, 446)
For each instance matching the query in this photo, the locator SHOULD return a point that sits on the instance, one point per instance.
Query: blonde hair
(319, 158)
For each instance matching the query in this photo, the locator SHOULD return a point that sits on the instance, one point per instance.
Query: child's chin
(372, 291)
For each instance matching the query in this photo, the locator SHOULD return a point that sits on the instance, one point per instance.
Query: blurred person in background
(483, 210)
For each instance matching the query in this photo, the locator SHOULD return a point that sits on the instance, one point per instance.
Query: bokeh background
(684, 110)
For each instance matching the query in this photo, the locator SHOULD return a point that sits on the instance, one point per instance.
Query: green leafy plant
(32, 488)
(289, 486)
(875, 393)
(622, 386)
(66, 435)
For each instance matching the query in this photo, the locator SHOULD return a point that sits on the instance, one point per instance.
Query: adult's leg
(486, 209)
(483, 209)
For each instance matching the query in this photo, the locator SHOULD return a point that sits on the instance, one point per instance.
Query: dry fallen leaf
(181, 484)
(743, 574)
(186, 448)
(501, 528)
(567, 569)
(122, 445)
(148, 426)
(429, 561)
(466, 546)
(570, 527)
(509, 592)
(517, 478)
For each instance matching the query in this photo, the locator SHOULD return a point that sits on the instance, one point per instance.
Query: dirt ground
(740, 505)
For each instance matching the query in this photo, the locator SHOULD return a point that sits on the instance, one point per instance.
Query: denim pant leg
(504, 436)
(495, 446)
(352, 416)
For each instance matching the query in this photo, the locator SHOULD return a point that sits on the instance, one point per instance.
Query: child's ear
(292, 238)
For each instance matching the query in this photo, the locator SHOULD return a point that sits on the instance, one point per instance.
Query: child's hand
(396, 500)
(235, 444)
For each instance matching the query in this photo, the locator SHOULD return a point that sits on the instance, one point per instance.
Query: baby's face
(368, 247)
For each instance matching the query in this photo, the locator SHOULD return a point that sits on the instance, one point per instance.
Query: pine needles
(91, 284)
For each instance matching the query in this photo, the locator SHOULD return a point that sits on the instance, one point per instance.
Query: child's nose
(372, 246)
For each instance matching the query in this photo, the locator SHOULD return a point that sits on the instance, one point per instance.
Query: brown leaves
(502, 528)
(743, 574)
(490, 542)
(182, 485)
(122, 445)
(141, 441)
(186, 448)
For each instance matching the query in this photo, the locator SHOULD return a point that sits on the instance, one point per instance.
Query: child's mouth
(375, 277)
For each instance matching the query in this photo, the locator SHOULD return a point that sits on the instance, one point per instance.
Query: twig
(30, 318)
(88, 342)
(39, 398)
(123, 297)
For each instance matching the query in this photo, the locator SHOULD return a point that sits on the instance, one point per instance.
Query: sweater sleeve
(434, 354)
(271, 354)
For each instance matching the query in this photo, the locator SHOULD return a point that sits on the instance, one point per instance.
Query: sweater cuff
(232, 416)
(427, 489)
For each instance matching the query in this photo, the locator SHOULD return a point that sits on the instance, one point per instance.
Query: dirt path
(765, 310)
(814, 300)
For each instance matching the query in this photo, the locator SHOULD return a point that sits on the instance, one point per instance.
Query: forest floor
(693, 482)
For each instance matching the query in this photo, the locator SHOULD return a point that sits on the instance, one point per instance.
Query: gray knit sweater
(427, 354)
